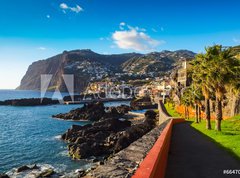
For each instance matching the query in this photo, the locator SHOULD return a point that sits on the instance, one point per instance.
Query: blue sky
(32, 30)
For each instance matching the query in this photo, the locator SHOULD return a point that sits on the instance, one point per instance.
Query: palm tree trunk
(218, 114)
(199, 113)
(208, 114)
(185, 112)
(234, 99)
(196, 113)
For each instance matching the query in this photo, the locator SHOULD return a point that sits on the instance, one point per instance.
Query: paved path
(193, 155)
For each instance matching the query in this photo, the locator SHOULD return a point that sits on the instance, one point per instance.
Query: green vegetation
(171, 110)
(213, 73)
(229, 138)
(52, 88)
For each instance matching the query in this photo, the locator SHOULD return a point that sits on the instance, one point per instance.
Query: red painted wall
(154, 164)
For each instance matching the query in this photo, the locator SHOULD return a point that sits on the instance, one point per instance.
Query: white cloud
(48, 16)
(75, 9)
(157, 29)
(122, 24)
(138, 28)
(134, 38)
(236, 40)
(41, 48)
(154, 30)
(64, 6)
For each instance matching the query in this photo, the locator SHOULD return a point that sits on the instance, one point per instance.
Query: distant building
(182, 75)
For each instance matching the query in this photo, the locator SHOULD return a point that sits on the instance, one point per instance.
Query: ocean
(29, 135)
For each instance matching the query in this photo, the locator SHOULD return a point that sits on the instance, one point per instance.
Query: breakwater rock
(91, 112)
(142, 103)
(106, 136)
(29, 102)
(124, 163)
(94, 112)
(33, 171)
(4, 176)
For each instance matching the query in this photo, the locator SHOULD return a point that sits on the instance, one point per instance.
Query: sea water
(29, 135)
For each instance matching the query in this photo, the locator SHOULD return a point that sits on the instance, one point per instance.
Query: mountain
(87, 65)
(156, 61)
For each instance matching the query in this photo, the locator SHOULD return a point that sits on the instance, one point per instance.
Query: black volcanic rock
(94, 139)
(94, 112)
(142, 103)
(106, 136)
(37, 171)
(29, 102)
(91, 112)
(84, 96)
(118, 110)
(23, 168)
(136, 131)
(4, 176)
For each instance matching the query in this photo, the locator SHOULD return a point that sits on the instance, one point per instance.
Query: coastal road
(193, 155)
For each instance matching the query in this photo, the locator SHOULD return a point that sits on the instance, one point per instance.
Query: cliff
(86, 66)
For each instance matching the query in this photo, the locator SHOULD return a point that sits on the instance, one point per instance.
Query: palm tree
(197, 97)
(223, 69)
(234, 88)
(191, 97)
(201, 78)
(186, 100)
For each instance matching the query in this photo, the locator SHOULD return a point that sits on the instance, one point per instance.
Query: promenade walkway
(193, 155)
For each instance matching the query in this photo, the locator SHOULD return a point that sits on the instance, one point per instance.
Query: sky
(32, 30)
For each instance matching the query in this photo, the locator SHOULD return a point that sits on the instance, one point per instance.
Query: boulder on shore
(105, 136)
(136, 131)
(91, 112)
(117, 111)
(94, 112)
(4, 176)
(95, 139)
(142, 103)
(37, 171)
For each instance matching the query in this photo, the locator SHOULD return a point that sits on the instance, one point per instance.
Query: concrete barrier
(163, 114)
(154, 164)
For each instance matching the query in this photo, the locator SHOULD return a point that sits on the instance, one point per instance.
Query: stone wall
(124, 163)
(163, 114)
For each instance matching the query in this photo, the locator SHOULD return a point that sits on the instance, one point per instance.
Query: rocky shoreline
(109, 141)
(124, 163)
(106, 136)
(29, 102)
(142, 103)
(94, 112)
(32, 171)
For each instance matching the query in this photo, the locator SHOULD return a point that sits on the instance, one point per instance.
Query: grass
(228, 138)
(171, 110)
